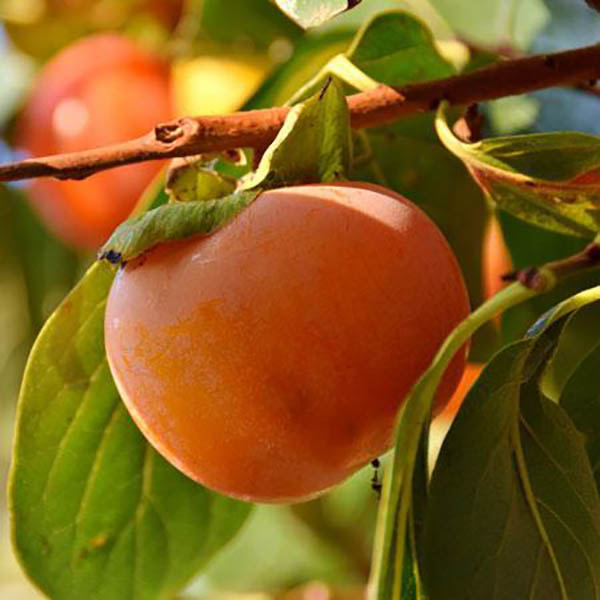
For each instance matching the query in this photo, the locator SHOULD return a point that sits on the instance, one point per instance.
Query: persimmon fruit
(100, 90)
(268, 360)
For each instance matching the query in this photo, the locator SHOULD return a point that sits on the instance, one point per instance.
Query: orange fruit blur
(496, 260)
(268, 360)
(100, 90)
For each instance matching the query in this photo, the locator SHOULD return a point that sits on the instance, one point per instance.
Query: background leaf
(311, 53)
(495, 23)
(96, 512)
(397, 47)
(310, 13)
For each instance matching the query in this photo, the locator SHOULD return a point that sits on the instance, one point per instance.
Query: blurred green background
(226, 54)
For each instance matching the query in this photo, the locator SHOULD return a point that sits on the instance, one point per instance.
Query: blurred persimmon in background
(100, 90)
(496, 262)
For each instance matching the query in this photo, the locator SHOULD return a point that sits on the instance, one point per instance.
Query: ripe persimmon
(100, 90)
(268, 360)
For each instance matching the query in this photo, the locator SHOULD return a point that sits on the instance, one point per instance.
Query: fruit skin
(101, 90)
(268, 360)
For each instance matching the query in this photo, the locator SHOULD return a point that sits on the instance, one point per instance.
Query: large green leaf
(399, 517)
(401, 503)
(96, 512)
(310, 13)
(513, 507)
(549, 179)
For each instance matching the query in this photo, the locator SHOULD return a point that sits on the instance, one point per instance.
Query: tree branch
(189, 136)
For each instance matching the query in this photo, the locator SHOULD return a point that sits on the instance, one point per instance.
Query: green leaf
(96, 512)
(398, 503)
(193, 180)
(393, 48)
(580, 337)
(495, 23)
(396, 48)
(314, 143)
(311, 13)
(580, 397)
(172, 222)
(548, 179)
(48, 268)
(513, 507)
(572, 378)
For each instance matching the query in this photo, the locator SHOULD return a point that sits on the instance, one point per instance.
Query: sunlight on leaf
(551, 180)
(310, 13)
(314, 144)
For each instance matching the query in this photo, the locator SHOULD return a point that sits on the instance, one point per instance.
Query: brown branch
(189, 136)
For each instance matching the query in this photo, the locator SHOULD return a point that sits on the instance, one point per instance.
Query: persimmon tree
(510, 508)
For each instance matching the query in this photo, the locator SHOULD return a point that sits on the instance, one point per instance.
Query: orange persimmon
(100, 90)
(268, 360)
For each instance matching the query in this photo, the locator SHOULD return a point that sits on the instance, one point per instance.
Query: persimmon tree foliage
(149, 417)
